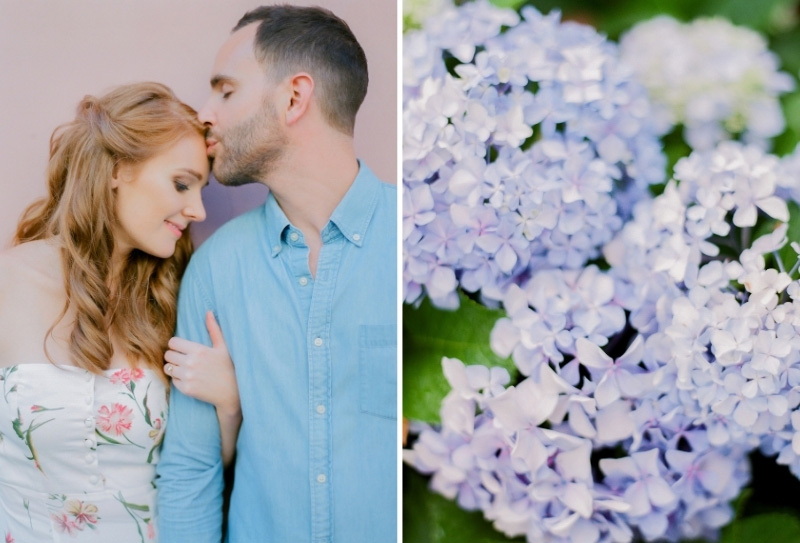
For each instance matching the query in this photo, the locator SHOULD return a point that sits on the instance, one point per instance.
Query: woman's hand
(205, 373)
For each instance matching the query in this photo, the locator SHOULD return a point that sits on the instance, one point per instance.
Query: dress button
(88, 422)
(89, 458)
(321, 409)
(318, 342)
(94, 479)
(321, 478)
(303, 281)
(89, 442)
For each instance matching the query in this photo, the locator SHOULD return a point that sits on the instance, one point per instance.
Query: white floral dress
(78, 453)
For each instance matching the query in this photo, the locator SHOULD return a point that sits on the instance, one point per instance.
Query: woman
(87, 307)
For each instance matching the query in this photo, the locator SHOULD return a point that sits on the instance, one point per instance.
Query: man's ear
(301, 89)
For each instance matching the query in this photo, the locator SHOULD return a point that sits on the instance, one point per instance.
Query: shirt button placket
(90, 441)
(322, 492)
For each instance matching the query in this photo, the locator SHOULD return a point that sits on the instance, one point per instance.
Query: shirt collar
(352, 216)
(354, 213)
(276, 223)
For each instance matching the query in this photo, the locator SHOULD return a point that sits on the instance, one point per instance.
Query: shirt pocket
(377, 358)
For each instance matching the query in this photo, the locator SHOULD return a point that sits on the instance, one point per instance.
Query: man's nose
(206, 114)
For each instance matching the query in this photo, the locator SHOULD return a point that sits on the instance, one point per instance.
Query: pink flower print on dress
(9, 538)
(156, 428)
(126, 375)
(84, 513)
(114, 420)
(64, 524)
(151, 531)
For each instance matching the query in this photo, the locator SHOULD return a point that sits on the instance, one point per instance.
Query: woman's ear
(301, 89)
(119, 173)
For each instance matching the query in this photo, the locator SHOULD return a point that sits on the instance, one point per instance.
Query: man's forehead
(237, 48)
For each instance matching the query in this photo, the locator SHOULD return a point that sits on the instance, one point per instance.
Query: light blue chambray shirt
(316, 366)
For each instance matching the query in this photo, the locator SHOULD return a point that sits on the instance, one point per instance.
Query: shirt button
(321, 478)
(276, 248)
(321, 409)
(356, 237)
(89, 422)
(318, 342)
(303, 281)
(294, 236)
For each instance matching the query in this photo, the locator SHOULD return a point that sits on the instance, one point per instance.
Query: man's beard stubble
(250, 150)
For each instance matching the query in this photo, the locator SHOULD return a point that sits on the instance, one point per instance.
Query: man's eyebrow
(218, 80)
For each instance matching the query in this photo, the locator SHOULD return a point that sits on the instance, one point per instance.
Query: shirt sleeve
(190, 481)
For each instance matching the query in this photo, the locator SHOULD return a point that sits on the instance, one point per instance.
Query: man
(304, 289)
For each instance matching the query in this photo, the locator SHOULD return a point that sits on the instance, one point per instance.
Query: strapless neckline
(69, 367)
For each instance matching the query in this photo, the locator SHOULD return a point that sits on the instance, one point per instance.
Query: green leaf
(787, 47)
(756, 15)
(431, 518)
(791, 106)
(430, 334)
(787, 255)
(783, 527)
(513, 4)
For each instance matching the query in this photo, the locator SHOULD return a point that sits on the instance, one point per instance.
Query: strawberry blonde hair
(127, 126)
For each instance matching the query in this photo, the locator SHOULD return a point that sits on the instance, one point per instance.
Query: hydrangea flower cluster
(787, 186)
(525, 144)
(716, 79)
(710, 371)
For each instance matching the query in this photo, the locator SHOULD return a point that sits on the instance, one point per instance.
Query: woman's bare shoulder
(32, 263)
(31, 296)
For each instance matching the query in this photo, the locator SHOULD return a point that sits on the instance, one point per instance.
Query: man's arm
(190, 480)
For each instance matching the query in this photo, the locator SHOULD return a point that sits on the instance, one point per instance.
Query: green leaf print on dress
(140, 514)
(4, 375)
(26, 435)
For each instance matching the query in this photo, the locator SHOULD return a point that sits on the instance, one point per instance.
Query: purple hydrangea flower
(521, 156)
(716, 79)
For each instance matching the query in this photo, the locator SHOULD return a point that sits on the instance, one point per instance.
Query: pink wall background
(53, 52)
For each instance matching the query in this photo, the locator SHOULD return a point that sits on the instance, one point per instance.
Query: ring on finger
(168, 369)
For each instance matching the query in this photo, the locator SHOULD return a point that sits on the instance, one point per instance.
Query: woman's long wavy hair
(126, 126)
